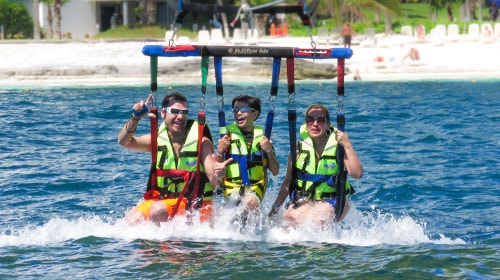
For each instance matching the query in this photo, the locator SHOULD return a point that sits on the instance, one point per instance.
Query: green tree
(16, 20)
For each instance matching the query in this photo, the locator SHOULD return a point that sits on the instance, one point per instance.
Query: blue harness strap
(315, 178)
(242, 161)
(273, 93)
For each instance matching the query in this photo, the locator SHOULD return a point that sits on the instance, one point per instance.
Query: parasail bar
(245, 51)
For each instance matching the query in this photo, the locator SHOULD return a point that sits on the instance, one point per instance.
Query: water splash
(358, 229)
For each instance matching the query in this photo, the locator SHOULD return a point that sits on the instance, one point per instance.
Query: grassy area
(140, 32)
(411, 14)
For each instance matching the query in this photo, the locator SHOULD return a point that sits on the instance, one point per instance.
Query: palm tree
(36, 20)
(353, 10)
(49, 31)
(152, 9)
(57, 13)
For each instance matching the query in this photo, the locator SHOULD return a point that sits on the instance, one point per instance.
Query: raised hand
(141, 108)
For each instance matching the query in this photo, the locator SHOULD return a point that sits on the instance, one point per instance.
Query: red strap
(197, 175)
(179, 48)
(154, 146)
(179, 199)
(172, 173)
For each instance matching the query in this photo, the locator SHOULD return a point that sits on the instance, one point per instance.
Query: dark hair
(177, 96)
(253, 102)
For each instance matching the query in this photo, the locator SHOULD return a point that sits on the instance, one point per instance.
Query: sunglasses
(243, 109)
(175, 111)
(312, 119)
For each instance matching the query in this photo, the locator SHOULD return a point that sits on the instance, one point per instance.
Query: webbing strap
(154, 147)
(341, 177)
(204, 74)
(272, 96)
(196, 202)
(154, 123)
(219, 89)
(292, 122)
(180, 198)
(243, 163)
(275, 76)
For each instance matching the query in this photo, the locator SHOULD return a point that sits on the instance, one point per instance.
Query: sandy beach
(122, 63)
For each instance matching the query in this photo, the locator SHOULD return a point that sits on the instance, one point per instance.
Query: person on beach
(245, 182)
(347, 34)
(313, 188)
(177, 159)
(493, 11)
(357, 76)
(413, 54)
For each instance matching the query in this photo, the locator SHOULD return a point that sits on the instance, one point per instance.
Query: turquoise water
(427, 206)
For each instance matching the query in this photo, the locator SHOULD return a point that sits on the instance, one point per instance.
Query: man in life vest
(246, 176)
(176, 163)
(313, 189)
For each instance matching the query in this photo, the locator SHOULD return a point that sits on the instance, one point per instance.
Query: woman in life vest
(246, 176)
(176, 161)
(313, 189)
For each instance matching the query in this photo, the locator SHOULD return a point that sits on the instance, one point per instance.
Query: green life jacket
(171, 179)
(316, 177)
(255, 161)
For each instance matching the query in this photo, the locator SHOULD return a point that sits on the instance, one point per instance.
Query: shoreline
(34, 64)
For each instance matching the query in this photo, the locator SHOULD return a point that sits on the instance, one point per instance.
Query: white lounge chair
(438, 35)
(183, 40)
(203, 37)
(252, 37)
(497, 29)
(453, 33)
(323, 36)
(473, 32)
(487, 35)
(216, 36)
(335, 36)
(369, 40)
(238, 36)
(406, 30)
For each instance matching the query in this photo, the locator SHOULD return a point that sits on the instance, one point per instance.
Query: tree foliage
(16, 20)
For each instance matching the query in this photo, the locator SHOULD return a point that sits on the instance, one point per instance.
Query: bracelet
(134, 118)
(135, 121)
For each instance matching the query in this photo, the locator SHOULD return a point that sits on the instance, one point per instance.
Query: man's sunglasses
(312, 119)
(243, 109)
(175, 111)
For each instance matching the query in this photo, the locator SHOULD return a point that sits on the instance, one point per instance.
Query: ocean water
(427, 206)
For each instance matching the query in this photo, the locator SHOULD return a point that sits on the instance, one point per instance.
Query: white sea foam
(358, 229)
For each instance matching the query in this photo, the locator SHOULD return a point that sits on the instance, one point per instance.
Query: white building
(85, 18)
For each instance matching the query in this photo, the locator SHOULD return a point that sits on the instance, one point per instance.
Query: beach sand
(122, 63)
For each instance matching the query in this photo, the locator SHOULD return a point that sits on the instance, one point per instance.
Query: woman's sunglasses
(312, 119)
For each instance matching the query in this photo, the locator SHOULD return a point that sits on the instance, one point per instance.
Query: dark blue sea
(428, 206)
